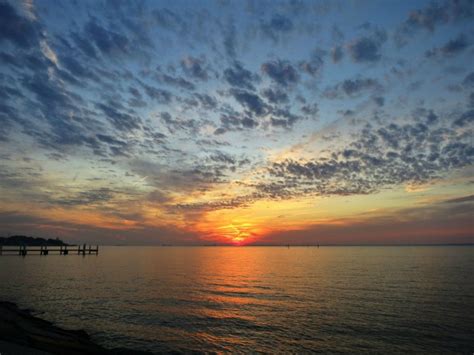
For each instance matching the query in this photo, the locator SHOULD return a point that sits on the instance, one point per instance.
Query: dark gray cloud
(250, 101)
(314, 65)
(276, 26)
(469, 80)
(176, 81)
(169, 20)
(275, 95)
(16, 28)
(240, 77)
(108, 42)
(282, 72)
(437, 13)
(123, 121)
(367, 48)
(194, 67)
(77, 69)
(452, 47)
(352, 88)
(379, 100)
(198, 176)
(464, 119)
(206, 101)
(434, 14)
(178, 124)
(387, 156)
(222, 157)
(235, 122)
(116, 146)
(160, 95)
(59, 108)
(282, 117)
(237, 202)
(229, 39)
(88, 197)
(84, 45)
(337, 54)
(310, 110)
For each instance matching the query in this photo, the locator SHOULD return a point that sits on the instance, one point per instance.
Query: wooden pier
(24, 250)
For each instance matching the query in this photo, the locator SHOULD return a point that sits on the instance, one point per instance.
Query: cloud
(451, 48)
(388, 156)
(367, 49)
(462, 199)
(337, 54)
(179, 124)
(240, 77)
(59, 108)
(230, 40)
(84, 45)
(231, 122)
(276, 26)
(311, 110)
(77, 69)
(194, 67)
(121, 120)
(108, 42)
(88, 197)
(160, 95)
(437, 13)
(206, 101)
(169, 20)
(105, 84)
(179, 82)
(465, 119)
(428, 224)
(429, 17)
(282, 72)
(469, 80)
(117, 232)
(352, 88)
(250, 101)
(314, 65)
(275, 96)
(237, 202)
(282, 117)
(17, 29)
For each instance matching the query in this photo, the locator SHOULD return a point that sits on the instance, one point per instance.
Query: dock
(24, 250)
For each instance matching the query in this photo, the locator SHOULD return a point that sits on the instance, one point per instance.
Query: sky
(237, 122)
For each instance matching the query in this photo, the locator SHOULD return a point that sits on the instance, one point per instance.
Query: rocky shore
(23, 333)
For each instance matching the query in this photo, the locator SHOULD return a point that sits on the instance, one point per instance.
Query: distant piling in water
(24, 250)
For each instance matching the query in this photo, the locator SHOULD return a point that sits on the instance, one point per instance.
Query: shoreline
(22, 332)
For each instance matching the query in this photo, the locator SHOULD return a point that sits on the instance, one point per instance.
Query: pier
(24, 250)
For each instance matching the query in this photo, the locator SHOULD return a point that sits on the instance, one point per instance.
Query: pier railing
(24, 250)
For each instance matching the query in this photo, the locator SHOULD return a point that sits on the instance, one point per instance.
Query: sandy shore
(23, 333)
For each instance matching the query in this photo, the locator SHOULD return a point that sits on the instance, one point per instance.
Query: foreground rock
(21, 330)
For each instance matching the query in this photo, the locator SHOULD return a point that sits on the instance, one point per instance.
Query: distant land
(24, 240)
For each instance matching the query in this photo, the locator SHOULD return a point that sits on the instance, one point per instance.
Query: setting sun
(238, 233)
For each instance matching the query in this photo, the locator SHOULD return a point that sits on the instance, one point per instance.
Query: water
(268, 299)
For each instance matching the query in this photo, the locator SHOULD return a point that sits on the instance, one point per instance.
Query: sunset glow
(236, 122)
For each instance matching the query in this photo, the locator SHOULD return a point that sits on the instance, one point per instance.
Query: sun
(238, 233)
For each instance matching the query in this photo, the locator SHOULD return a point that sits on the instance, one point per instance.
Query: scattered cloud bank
(174, 111)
